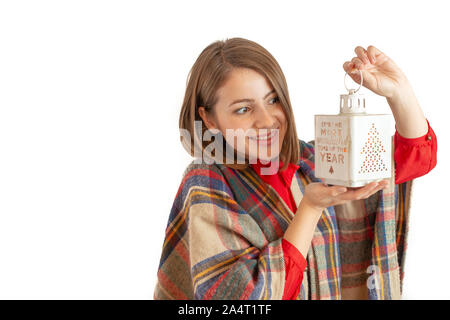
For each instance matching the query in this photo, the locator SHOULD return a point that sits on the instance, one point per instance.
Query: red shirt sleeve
(295, 266)
(414, 157)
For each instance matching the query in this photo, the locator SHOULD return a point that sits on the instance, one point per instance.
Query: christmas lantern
(353, 148)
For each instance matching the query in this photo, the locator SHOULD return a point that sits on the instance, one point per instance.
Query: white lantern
(353, 148)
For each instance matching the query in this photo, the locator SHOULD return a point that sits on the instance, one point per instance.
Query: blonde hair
(210, 72)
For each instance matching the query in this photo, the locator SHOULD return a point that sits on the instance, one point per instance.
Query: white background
(90, 158)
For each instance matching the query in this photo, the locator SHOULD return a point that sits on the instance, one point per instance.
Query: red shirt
(413, 158)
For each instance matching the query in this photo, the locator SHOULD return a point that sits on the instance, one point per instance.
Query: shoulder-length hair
(211, 70)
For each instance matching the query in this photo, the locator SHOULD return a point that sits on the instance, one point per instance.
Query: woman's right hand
(319, 195)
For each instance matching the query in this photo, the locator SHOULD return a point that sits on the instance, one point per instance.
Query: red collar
(286, 175)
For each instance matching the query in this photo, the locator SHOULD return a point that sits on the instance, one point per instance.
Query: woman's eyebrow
(250, 100)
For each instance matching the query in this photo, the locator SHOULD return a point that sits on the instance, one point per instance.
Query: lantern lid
(352, 102)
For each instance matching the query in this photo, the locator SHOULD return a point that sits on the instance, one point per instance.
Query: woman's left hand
(380, 74)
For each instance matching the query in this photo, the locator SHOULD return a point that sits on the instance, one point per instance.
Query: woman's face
(248, 102)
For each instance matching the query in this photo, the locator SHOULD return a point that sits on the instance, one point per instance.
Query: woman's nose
(263, 118)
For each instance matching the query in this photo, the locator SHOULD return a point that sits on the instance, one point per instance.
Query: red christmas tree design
(373, 148)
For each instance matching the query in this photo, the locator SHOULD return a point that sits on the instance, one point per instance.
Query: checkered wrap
(224, 232)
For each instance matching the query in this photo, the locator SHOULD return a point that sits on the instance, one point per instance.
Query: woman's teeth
(267, 137)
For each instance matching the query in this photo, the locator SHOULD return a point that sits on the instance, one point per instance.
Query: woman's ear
(207, 118)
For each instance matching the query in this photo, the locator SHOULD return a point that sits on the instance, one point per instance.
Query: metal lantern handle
(352, 91)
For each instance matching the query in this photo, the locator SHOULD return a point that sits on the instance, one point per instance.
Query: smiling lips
(266, 139)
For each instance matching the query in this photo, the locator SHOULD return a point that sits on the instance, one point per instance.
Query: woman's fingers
(358, 63)
(362, 54)
(358, 193)
(343, 194)
(374, 190)
(366, 190)
(363, 192)
(369, 55)
(373, 53)
(348, 66)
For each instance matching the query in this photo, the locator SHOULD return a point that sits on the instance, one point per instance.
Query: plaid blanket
(224, 232)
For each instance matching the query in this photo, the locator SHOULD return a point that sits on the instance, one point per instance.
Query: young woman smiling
(235, 232)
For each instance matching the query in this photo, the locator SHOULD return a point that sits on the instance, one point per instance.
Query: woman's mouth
(266, 139)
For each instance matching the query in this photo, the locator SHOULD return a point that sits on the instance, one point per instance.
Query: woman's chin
(265, 157)
(261, 152)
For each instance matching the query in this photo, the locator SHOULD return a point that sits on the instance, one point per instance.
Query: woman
(236, 232)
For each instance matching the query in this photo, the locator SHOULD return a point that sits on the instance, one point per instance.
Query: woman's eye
(237, 111)
(275, 100)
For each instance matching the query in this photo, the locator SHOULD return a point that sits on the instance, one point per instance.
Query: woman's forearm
(409, 117)
(301, 229)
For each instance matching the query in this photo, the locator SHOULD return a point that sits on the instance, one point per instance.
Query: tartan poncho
(224, 234)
